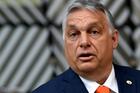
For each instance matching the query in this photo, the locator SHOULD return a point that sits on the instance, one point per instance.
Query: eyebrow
(72, 26)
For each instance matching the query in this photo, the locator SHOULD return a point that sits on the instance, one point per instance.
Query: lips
(86, 56)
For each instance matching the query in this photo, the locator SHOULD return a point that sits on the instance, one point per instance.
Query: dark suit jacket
(69, 82)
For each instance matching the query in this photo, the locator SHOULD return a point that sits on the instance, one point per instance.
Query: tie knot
(103, 89)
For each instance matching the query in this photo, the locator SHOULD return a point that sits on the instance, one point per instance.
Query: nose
(84, 41)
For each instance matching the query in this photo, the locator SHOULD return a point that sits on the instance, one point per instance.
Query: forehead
(85, 16)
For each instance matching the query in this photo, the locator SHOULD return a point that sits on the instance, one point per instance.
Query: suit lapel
(73, 83)
(126, 83)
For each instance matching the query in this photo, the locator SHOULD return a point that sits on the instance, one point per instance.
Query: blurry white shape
(136, 11)
(62, 13)
(46, 76)
(120, 58)
(136, 38)
(114, 7)
(54, 8)
(125, 46)
(122, 17)
(5, 30)
(60, 57)
(36, 69)
(2, 20)
(105, 2)
(57, 35)
(10, 45)
(24, 15)
(36, 12)
(27, 40)
(11, 16)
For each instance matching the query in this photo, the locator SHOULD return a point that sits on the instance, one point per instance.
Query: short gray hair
(91, 5)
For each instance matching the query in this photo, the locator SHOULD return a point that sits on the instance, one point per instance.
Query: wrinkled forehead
(84, 19)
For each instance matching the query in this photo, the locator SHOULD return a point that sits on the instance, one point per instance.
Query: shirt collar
(111, 83)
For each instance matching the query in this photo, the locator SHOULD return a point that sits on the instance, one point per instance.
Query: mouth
(84, 57)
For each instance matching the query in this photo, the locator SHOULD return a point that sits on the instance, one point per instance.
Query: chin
(87, 68)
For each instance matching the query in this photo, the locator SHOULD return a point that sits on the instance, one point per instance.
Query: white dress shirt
(111, 83)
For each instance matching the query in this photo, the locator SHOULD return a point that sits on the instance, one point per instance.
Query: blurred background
(31, 44)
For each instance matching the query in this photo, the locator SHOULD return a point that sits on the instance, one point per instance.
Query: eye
(73, 34)
(94, 32)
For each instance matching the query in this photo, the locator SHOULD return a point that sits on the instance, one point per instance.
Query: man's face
(88, 43)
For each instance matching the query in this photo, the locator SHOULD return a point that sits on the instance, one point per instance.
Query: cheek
(70, 49)
(70, 53)
(103, 47)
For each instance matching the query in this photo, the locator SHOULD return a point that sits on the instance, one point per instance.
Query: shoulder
(54, 85)
(126, 71)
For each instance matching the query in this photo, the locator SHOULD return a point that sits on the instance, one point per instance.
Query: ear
(115, 38)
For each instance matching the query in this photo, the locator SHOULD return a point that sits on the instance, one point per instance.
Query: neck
(100, 76)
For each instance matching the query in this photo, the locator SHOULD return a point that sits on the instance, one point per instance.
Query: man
(89, 40)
